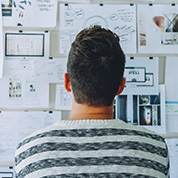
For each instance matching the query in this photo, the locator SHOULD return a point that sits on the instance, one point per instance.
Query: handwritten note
(121, 19)
(51, 70)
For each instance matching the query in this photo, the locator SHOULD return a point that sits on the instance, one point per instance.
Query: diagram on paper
(158, 31)
(118, 18)
(51, 70)
(141, 74)
(24, 44)
(63, 98)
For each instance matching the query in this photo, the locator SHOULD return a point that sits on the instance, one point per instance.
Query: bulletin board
(30, 78)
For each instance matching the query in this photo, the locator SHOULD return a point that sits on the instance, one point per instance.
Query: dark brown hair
(95, 66)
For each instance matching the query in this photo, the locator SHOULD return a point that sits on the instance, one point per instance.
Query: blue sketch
(113, 17)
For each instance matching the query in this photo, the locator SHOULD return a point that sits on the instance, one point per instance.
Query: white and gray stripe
(86, 152)
(115, 138)
(100, 175)
(118, 169)
(90, 147)
(60, 162)
(91, 133)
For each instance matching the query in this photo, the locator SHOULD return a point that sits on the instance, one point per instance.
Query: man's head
(95, 67)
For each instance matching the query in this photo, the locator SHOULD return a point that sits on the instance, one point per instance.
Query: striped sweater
(92, 149)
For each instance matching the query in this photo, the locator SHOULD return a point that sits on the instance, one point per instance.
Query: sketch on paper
(66, 99)
(63, 98)
(51, 70)
(30, 13)
(158, 31)
(16, 125)
(118, 18)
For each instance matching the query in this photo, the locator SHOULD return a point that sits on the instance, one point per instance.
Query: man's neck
(84, 112)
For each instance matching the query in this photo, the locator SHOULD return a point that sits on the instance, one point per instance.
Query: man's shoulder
(40, 133)
(142, 131)
(87, 128)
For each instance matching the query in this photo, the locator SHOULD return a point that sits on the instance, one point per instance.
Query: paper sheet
(30, 13)
(141, 75)
(26, 44)
(63, 98)
(16, 125)
(1, 45)
(19, 87)
(173, 154)
(51, 70)
(22, 45)
(119, 18)
(171, 81)
(7, 172)
(143, 110)
(158, 30)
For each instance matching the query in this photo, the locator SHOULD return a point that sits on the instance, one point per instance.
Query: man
(92, 144)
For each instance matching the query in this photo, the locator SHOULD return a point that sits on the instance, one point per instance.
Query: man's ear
(67, 82)
(121, 87)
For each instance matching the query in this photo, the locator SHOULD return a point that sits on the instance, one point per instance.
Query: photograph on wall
(143, 110)
(29, 13)
(6, 7)
(121, 19)
(149, 110)
(15, 89)
(158, 30)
